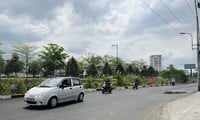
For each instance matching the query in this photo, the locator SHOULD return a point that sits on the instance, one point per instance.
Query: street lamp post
(198, 53)
(116, 45)
(182, 33)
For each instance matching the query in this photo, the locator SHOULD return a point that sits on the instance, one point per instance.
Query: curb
(6, 97)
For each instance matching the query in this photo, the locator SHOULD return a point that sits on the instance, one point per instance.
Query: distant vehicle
(173, 82)
(55, 90)
(106, 87)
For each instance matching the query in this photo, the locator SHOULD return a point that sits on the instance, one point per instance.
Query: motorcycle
(106, 87)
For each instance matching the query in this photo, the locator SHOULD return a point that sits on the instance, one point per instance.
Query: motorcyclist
(107, 86)
(136, 82)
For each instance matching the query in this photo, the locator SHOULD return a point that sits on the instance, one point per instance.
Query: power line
(173, 14)
(162, 18)
(189, 6)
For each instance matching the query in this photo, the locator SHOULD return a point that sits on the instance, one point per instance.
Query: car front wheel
(53, 102)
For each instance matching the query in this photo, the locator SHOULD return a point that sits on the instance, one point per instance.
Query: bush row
(16, 86)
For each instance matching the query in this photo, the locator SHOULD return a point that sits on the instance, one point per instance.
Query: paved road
(120, 105)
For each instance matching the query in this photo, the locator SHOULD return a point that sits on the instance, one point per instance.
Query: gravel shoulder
(187, 108)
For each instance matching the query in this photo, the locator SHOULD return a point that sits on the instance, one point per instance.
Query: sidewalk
(187, 108)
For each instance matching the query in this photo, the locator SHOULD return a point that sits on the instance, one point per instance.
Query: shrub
(119, 78)
(32, 83)
(88, 82)
(4, 89)
(19, 85)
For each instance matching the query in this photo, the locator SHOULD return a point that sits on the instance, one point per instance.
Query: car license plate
(30, 99)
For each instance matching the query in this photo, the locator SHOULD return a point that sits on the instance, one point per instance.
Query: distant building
(156, 62)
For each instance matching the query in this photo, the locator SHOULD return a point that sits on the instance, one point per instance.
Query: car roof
(64, 77)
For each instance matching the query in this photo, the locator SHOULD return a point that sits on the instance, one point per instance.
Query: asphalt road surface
(120, 105)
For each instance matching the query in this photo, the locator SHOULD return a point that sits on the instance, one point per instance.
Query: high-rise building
(156, 62)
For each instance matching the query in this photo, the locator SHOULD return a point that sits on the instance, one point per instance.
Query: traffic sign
(189, 66)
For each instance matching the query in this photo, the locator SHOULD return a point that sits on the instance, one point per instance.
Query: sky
(140, 28)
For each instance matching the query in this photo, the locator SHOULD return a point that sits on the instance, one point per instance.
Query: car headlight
(26, 95)
(39, 96)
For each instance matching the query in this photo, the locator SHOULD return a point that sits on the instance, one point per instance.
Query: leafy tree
(178, 75)
(107, 70)
(119, 68)
(136, 71)
(92, 70)
(152, 72)
(119, 77)
(1, 52)
(14, 65)
(139, 64)
(35, 67)
(8, 67)
(17, 65)
(26, 52)
(1, 62)
(144, 72)
(53, 58)
(2, 65)
(72, 68)
(129, 70)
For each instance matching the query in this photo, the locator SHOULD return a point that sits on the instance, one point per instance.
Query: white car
(55, 90)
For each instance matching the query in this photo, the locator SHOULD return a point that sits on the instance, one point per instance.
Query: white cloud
(93, 26)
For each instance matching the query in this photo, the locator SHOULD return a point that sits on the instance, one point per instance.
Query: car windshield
(51, 82)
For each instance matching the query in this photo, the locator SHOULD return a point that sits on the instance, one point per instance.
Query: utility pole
(198, 53)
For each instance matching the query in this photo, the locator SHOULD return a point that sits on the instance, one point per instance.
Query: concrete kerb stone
(5, 97)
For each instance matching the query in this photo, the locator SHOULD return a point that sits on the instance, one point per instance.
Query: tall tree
(35, 67)
(178, 75)
(1, 61)
(129, 70)
(53, 58)
(14, 65)
(152, 71)
(107, 69)
(26, 52)
(72, 68)
(92, 70)
(120, 69)
(1, 52)
(2, 65)
(144, 72)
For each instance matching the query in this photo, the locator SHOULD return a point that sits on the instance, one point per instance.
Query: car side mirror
(61, 86)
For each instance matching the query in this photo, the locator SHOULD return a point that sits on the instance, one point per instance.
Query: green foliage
(72, 68)
(4, 89)
(92, 70)
(14, 65)
(53, 58)
(2, 65)
(32, 83)
(35, 67)
(26, 52)
(178, 75)
(129, 70)
(119, 78)
(19, 84)
(107, 69)
(1, 52)
(120, 69)
(1, 87)
(88, 82)
(163, 81)
(141, 81)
